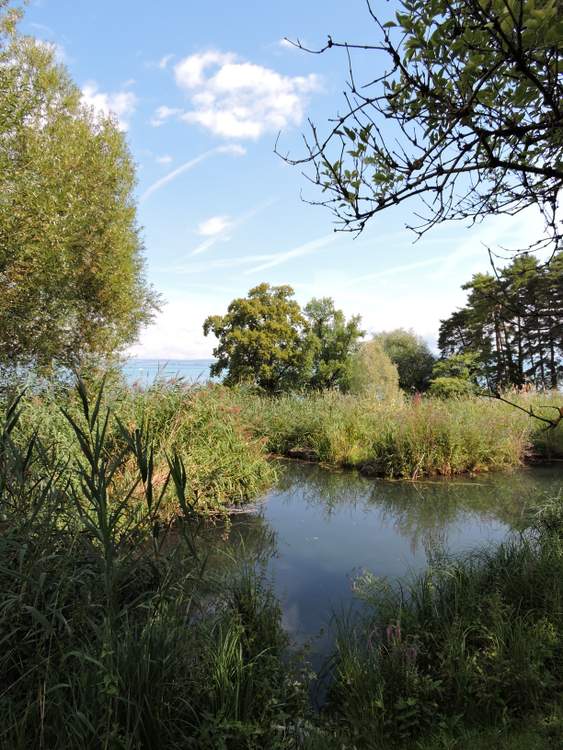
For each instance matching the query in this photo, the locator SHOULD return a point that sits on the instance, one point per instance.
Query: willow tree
(72, 283)
(373, 373)
(460, 108)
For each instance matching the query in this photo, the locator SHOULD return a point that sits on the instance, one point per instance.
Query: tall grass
(471, 642)
(111, 637)
(227, 465)
(119, 631)
(401, 438)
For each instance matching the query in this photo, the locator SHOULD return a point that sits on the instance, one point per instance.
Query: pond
(319, 528)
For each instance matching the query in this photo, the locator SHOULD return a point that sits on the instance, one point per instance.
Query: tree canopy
(512, 324)
(263, 339)
(267, 340)
(412, 356)
(71, 265)
(372, 373)
(467, 115)
(335, 341)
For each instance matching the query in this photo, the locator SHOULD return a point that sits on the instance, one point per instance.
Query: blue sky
(202, 90)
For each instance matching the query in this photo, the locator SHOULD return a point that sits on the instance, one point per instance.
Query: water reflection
(319, 528)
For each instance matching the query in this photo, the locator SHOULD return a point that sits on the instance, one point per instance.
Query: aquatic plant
(112, 636)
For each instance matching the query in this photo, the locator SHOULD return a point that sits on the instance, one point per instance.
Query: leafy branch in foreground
(467, 116)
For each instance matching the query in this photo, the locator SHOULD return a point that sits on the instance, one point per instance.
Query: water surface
(144, 372)
(319, 528)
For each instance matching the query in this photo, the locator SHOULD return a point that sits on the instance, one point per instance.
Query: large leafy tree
(512, 323)
(72, 283)
(372, 373)
(412, 356)
(263, 339)
(335, 339)
(463, 110)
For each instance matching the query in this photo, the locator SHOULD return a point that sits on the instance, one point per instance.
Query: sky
(201, 91)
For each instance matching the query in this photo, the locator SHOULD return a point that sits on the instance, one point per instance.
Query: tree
(372, 373)
(412, 356)
(455, 376)
(467, 116)
(512, 324)
(264, 339)
(336, 339)
(72, 281)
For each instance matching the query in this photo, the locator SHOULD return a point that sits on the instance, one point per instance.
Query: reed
(408, 438)
(475, 641)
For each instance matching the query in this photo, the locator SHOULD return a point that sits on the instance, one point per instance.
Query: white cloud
(177, 331)
(213, 226)
(219, 228)
(234, 150)
(120, 104)
(238, 99)
(163, 114)
(163, 62)
(165, 159)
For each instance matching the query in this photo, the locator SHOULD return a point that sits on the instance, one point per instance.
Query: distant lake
(145, 371)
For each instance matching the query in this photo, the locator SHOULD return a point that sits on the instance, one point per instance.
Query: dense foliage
(512, 325)
(471, 642)
(116, 630)
(71, 265)
(335, 341)
(373, 374)
(402, 437)
(125, 627)
(467, 115)
(412, 356)
(266, 339)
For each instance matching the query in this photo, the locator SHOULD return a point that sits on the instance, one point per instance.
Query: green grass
(227, 465)
(113, 635)
(118, 631)
(401, 438)
(473, 642)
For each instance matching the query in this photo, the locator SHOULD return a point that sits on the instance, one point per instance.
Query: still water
(319, 528)
(144, 372)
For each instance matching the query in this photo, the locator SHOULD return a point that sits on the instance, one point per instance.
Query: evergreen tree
(512, 324)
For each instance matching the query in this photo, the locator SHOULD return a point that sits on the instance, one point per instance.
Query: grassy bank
(114, 634)
(118, 631)
(402, 438)
(227, 465)
(475, 642)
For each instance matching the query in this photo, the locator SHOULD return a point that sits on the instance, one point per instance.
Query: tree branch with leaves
(467, 116)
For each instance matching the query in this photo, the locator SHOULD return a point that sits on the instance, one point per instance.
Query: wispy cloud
(307, 248)
(259, 262)
(214, 225)
(219, 228)
(163, 114)
(234, 150)
(164, 159)
(163, 62)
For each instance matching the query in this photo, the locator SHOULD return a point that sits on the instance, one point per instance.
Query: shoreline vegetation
(119, 630)
(226, 436)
